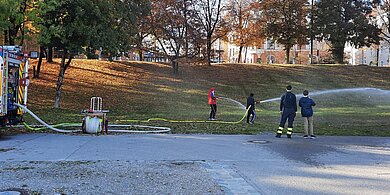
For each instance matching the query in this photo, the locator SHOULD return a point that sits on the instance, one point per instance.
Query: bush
(92, 55)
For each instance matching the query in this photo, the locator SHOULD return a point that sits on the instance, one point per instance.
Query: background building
(377, 55)
(272, 53)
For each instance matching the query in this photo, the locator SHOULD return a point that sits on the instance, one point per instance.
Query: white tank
(93, 125)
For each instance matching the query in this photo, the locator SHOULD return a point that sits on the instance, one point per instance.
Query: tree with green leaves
(344, 21)
(118, 24)
(72, 25)
(144, 27)
(285, 22)
(12, 17)
(16, 17)
(68, 25)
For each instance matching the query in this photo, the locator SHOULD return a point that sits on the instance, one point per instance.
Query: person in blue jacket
(288, 109)
(306, 104)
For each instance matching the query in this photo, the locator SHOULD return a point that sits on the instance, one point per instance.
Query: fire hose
(158, 129)
(54, 127)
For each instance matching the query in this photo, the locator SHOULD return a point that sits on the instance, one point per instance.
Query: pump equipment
(95, 120)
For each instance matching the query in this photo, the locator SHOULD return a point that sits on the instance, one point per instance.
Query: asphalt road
(239, 164)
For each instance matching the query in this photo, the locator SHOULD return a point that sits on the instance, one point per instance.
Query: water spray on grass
(366, 90)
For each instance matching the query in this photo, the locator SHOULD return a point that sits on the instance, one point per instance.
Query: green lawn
(146, 90)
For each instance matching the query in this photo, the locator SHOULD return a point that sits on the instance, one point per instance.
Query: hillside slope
(132, 90)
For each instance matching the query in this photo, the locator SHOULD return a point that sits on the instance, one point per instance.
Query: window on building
(270, 44)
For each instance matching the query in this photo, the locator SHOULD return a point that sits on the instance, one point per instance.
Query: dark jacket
(250, 102)
(306, 105)
(288, 103)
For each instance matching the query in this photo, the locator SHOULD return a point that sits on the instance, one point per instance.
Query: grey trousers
(308, 125)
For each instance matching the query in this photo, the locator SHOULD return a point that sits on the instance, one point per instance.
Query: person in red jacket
(212, 100)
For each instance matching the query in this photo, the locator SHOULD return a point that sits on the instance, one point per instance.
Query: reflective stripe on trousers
(280, 130)
(289, 131)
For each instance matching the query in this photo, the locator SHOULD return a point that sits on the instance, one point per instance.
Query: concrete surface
(326, 165)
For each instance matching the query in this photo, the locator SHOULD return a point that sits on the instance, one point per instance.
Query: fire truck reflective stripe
(20, 91)
(20, 94)
(20, 100)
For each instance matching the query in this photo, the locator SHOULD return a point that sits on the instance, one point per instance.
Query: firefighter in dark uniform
(250, 106)
(288, 109)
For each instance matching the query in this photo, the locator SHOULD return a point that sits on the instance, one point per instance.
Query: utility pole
(311, 32)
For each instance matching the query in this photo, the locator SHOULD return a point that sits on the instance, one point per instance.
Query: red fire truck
(13, 85)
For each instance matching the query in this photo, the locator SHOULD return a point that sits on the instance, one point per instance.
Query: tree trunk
(141, 54)
(239, 54)
(41, 55)
(338, 54)
(12, 33)
(22, 36)
(175, 66)
(377, 56)
(186, 30)
(61, 76)
(288, 55)
(5, 35)
(338, 51)
(388, 58)
(9, 39)
(208, 50)
(22, 25)
(45, 52)
(49, 57)
(246, 53)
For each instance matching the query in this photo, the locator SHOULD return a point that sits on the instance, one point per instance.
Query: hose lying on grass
(54, 127)
(187, 121)
(158, 129)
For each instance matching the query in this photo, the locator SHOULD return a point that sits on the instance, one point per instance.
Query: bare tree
(382, 9)
(209, 15)
(174, 29)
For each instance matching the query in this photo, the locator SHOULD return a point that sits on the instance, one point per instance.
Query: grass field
(133, 90)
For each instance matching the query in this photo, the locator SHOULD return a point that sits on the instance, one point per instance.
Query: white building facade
(373, 56)
(376, 55)
(272, 53)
